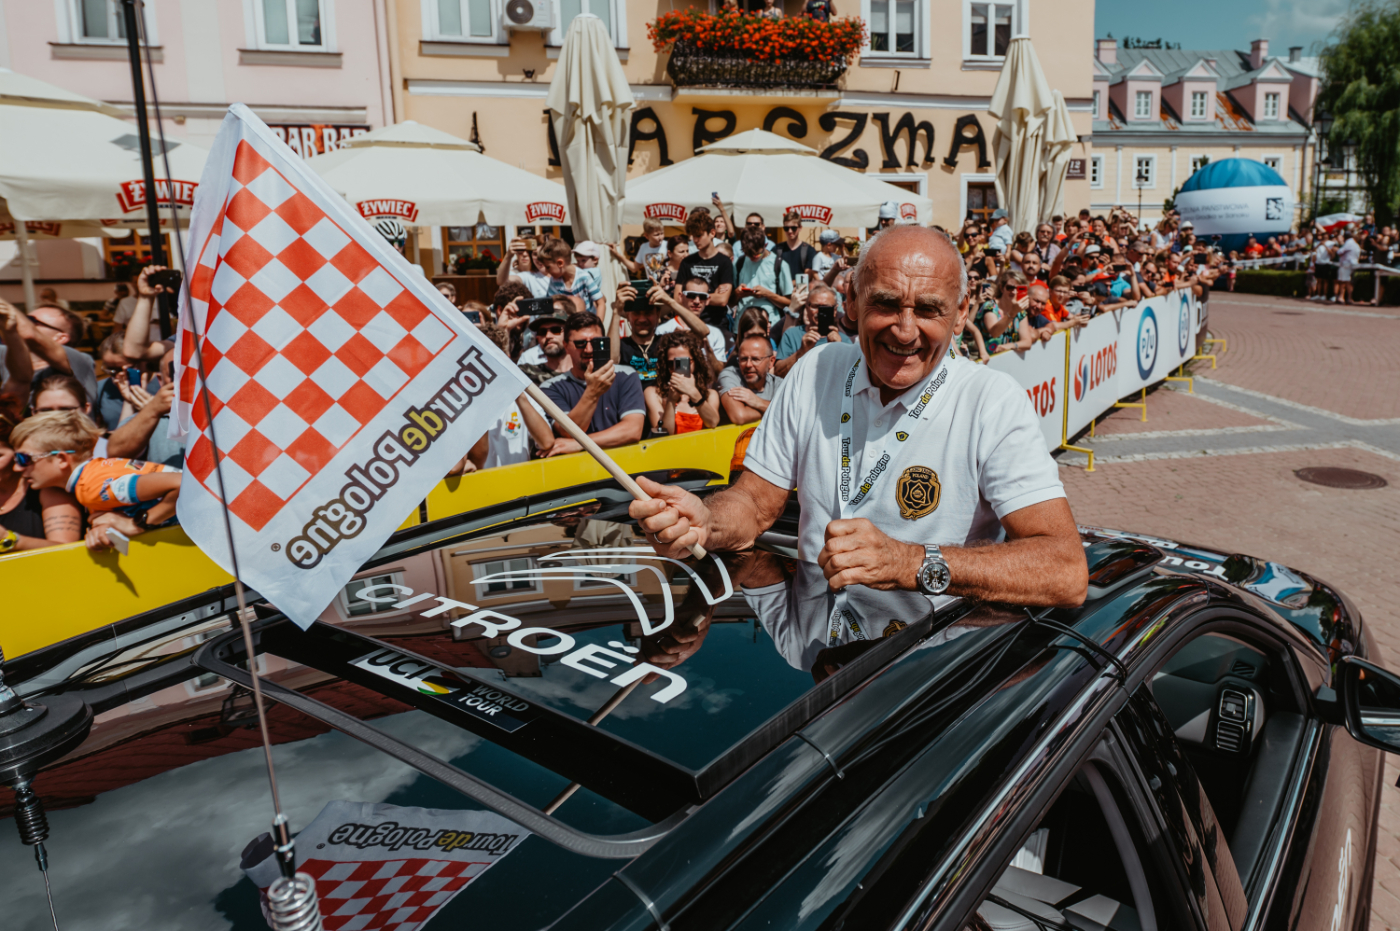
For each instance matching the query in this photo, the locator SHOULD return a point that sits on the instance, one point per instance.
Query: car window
(1233, 711)
(1082, 867)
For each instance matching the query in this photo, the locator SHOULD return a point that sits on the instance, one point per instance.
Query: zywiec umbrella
(766, 173)
(1022, 103)
(65, 158)
(432, 178)
(1059, 140)
(590, 105)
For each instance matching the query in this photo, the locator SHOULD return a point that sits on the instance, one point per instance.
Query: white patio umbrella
(1060, 138)
(770, 174)
(432, 178)
(590, 105)
(67, 158)
(1021, 103)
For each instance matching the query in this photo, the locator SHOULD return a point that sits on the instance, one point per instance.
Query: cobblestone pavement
(1217, 468)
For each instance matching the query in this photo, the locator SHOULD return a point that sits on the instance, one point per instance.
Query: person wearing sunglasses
(602, 398)
(747, 388)
(47, 333)
(798, 255)
(32, 518)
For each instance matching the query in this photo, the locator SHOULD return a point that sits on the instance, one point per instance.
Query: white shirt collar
(908, 399)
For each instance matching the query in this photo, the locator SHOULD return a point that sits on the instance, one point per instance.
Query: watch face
(934, 577)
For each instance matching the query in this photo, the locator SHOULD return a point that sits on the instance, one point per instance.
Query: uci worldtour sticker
(481, 701)
(1183, 324)
(1147, 343)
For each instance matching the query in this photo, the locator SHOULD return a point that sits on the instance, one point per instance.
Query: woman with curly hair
(679, 402)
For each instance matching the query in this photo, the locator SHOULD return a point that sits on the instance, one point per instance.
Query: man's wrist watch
(934, 576)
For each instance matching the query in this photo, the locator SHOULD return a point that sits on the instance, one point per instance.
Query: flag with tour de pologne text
(343, 385)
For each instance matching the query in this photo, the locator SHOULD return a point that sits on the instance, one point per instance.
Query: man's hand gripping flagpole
(593, 449)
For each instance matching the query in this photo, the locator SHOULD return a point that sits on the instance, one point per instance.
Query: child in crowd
(55, 451)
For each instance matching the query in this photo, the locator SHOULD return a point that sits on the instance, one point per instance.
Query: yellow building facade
(912, 108)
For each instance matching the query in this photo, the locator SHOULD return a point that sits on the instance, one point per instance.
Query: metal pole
(148, 174)
(26, 271)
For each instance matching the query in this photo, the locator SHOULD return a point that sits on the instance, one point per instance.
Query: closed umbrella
(1021, 103)
(432, 178)
(769, 174)
(1059, 141)
(590, 105)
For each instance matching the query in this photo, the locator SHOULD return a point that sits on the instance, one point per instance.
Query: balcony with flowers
(743, 51)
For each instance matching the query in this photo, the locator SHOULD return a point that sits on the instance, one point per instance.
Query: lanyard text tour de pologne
(850, 502)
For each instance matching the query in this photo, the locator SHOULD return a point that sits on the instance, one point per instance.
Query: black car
(520, 718)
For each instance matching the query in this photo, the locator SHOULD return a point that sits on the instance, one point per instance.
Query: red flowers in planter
(794, 38)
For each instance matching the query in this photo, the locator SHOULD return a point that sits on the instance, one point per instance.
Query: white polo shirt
(978, 436)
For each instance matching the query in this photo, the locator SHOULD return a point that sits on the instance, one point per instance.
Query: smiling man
(914, 470)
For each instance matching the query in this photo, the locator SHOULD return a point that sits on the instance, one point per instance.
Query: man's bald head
(911, 238)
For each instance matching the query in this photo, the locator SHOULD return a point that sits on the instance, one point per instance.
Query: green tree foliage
(1361, 89)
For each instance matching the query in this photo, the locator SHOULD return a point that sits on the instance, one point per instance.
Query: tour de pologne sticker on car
(386, 866)
(477, 699)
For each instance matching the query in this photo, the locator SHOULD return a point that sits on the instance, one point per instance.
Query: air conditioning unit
(527, 14)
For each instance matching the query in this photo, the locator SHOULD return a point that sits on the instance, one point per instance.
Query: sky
(1231, 24)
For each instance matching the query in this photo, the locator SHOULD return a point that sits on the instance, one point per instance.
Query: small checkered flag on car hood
(387, 867)
(342, 385)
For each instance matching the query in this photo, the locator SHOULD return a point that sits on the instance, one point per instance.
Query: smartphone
(714, 195)
(1021, 293)
(153, 385)
(167, 278)
(801, 280)
(473, 315)
(680, 366)
(641, 286)
(826, 319)
(133, 376)
(535, 306)
(602, 352)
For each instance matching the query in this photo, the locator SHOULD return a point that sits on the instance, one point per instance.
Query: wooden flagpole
(593, 449)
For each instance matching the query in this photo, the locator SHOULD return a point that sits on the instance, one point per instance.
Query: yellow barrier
(62, 591)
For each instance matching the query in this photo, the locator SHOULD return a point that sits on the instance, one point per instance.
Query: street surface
(1303, 384)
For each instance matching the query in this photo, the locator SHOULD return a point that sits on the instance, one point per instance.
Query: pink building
(315, 70)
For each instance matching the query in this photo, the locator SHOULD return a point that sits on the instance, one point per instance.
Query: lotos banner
(1041, 371)
(343, 386)
(1093, 376)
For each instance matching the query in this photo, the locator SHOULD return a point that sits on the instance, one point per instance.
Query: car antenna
(291, 899)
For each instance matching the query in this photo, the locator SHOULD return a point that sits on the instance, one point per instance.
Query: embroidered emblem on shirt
(893, 627)
(918, 491)
(901, 436)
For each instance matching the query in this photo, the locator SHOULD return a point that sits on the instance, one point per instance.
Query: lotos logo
(1043, 397)
(388, 208)
(1095, 369)
(908, 212)
(664, 212)
(132, 194)
(1183, 325)
(544, 210)
(814, 212)
(1147, 343)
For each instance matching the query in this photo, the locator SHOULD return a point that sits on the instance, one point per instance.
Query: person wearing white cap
(889, 214)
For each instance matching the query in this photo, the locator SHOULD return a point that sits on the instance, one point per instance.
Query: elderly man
(913, 470)
(746, 392)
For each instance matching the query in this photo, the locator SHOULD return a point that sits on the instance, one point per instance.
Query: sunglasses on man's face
(758, 223)
(25, 460)
(696, 295)
(792, 229)
(37, 322)
(550, 331)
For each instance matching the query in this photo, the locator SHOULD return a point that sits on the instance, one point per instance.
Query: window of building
(990, 27)
(1274, 161)
(99, 21)
(472, 247)
(981, 201)
(1271, 106)
(461, 20)
(1142, 105)
(1098, 113)
(1198, 105)
(613, 13)
(353, 606)
(481, 570)
(1096, 171)
(893, 26)
(1145, 171)
(290, 24)
(1198, 162)
(129, 253)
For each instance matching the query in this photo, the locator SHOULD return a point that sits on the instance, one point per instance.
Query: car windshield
(560, 665)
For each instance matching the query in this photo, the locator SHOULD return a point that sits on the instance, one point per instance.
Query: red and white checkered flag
(343, 386)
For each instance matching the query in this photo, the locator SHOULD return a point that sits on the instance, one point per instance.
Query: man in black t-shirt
(705, 261)
(797, 254)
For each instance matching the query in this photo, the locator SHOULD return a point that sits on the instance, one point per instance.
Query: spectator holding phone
(747, 388)
(820, 325)
(676, 403)
(32, 518)
(604, 400)
(141, 339)
(15, 377)
(1000, 317)
(146, 434)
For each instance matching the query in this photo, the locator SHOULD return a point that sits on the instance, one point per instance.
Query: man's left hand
(858, 553)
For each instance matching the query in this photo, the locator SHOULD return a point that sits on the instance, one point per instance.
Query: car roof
(755, 730)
